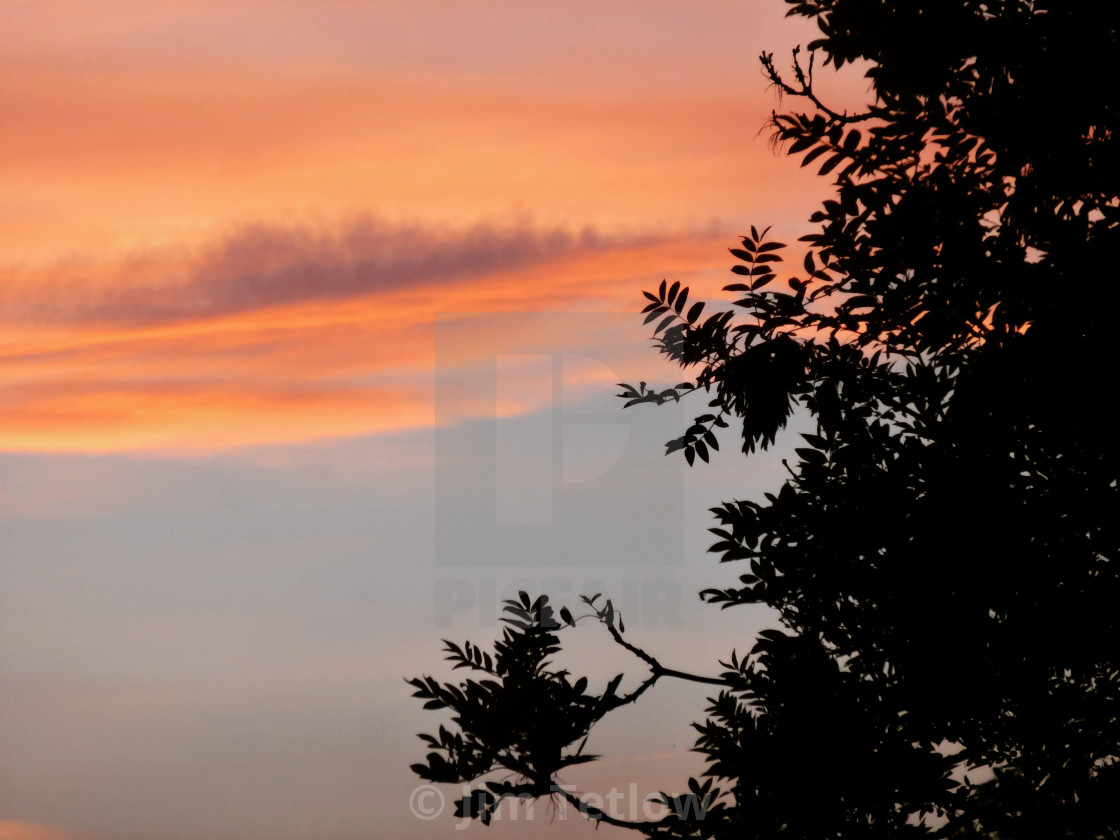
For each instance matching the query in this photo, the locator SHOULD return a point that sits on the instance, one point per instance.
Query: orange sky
(226, 226)
(126, 366)
(11, 830)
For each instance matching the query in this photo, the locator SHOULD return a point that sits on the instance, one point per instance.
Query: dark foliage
(943, 557)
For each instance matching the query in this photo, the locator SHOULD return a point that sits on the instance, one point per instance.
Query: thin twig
(805, 87)
(659, 670)
(598, 814)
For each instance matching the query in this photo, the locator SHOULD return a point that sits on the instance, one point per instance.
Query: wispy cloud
(282, 334)
(263, 266)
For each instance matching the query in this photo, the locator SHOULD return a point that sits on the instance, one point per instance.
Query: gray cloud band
(260, 266)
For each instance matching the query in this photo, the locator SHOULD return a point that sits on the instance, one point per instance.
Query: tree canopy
(943, 555)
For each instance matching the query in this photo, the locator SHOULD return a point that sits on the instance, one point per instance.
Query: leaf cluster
(518, 715)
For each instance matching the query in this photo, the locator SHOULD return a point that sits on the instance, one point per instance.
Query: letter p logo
(536, 462)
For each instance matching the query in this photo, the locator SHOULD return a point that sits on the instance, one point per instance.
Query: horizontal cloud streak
(284, 334)
(264, 266)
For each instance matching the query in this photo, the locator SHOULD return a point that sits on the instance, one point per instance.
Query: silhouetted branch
(613, 621)
(804, 77)
(659, 670)
(598, 814)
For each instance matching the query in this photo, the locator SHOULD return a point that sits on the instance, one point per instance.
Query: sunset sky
(292, 293)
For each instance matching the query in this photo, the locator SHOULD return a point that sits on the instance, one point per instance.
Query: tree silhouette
(943, 556)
